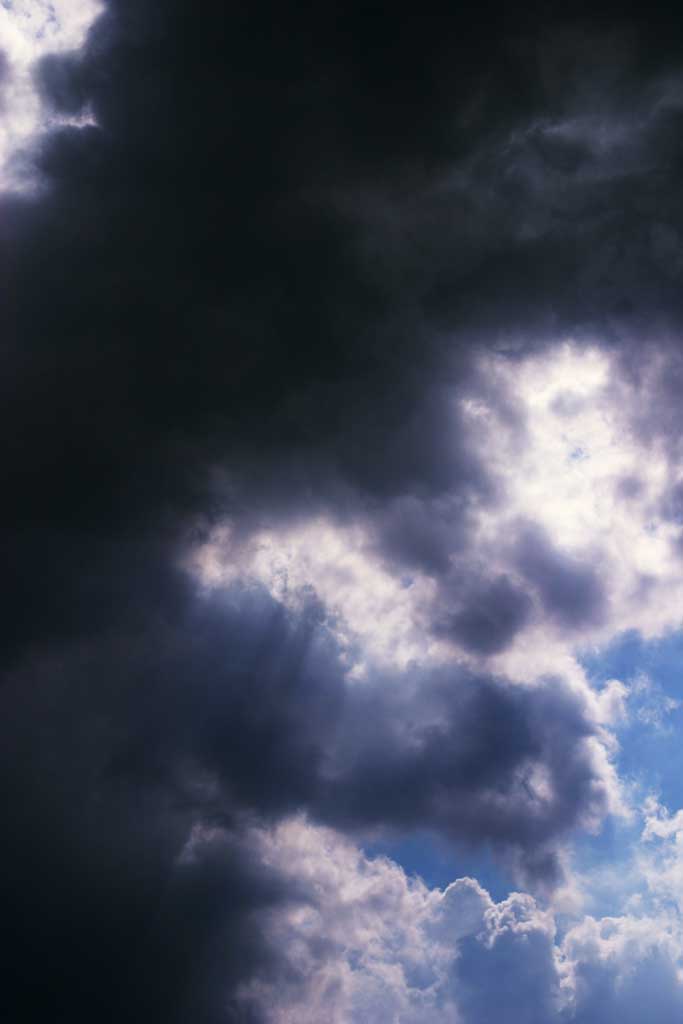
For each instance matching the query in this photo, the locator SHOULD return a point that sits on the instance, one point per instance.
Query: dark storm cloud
(294, 221)
(246, 291)
(231, 710)
(60, 84)
(125, 937)
(113, 750)
(233, 705)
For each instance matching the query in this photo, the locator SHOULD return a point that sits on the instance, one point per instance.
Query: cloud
(551, 555)
(30, 30)
(287, 302)
(473, 758)
(130, 931)
(235, 705)
(136, 766)
(363, 942)
(624, 966)
(569, 591)
(113, 755)
(358, 940)
(492, 617)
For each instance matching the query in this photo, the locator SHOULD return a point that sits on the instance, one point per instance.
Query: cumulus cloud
(360, 941)
(134, 767)
(355, 939)
(571, 542)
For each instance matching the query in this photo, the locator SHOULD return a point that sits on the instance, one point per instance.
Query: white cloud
(365, 944)
(30, 29)
(566, 463)
(581, 472)
(586, 481)
(651, 705)
(378, 615)
(573, 471)
(359, 942)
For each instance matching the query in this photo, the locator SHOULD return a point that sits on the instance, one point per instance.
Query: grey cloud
(492, 616)
(59, 83)
(672, 503)
(526, 987)
(629, 487)
(571, 591)
(422, 534)
(474, 758)
(649, 986)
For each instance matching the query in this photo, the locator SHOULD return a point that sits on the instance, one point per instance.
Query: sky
(342, 513)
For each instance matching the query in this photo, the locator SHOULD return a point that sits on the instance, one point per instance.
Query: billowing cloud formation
(235, 705)
(116, 753)
(340, 414)
(357, 940)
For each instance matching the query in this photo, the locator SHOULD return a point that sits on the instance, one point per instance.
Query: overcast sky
(342, 513)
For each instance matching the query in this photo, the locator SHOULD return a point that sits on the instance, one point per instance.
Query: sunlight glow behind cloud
(29, 30)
